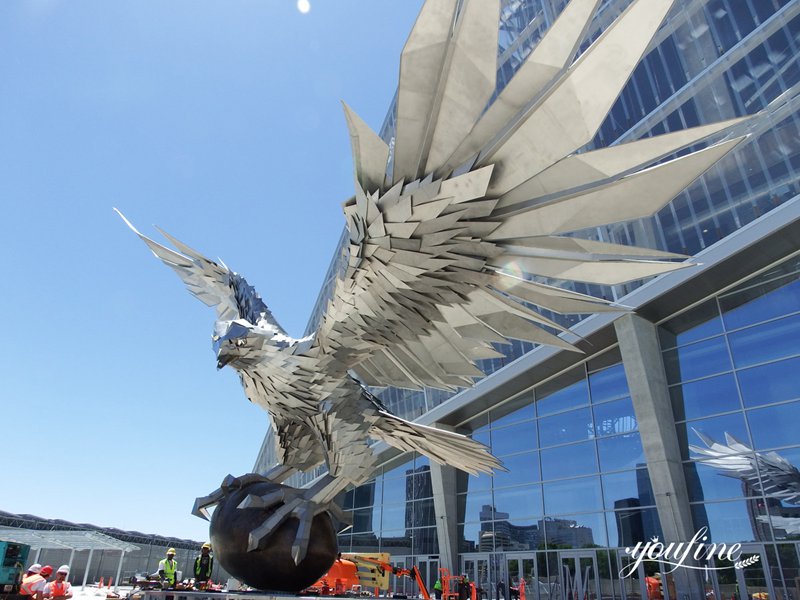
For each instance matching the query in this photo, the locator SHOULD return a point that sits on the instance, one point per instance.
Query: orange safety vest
(58, 588)
(26, 588)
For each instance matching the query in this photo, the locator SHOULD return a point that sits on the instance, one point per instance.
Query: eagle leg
(301, 504)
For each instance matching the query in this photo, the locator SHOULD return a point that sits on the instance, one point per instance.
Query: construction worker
(33, 583)
(59, 588)
(168, 569)
(203, 565)
(437, 589)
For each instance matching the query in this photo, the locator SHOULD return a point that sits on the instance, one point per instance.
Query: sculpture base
(271, 568)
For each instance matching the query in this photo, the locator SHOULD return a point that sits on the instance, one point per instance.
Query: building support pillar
(86, 572)
(647, 381)
(119, 571)
(69, 563)
(444, 484)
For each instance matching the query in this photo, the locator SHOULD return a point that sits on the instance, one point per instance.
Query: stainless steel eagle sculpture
(465, 196)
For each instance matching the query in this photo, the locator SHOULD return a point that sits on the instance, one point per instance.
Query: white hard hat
(63, 569)
(35, 568)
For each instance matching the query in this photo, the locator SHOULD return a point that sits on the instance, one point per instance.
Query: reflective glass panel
(771, 295)
(394, 516)
(608, 383)
(706, 482)
(518, 503)
(732, 522)
(569, 461)
(522, 534)
(614, 417)
(470, 505)
(525, 413)
(697, 360)
(397, 490)
(773, 382)
(365, 494)
(763, 343)
(629, 526)
(696, 324)
(627, 489)
(577, 531)
(470, 535)
(396, 542)
(425, 541)
(522, 468)
(363, 520)
(705, 397)
(572, 495)
(620, 452)
(514, 438)
(562, 393)
(713, 427)
(775, 426)
(562, 428)
(477, 482)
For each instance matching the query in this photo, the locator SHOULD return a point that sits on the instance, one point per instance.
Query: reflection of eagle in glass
(463, 197)
(766, 473)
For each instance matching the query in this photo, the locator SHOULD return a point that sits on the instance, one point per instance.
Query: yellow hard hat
(206, 545)
(171, 551)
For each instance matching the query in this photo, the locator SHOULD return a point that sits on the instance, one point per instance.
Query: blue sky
(219, 121)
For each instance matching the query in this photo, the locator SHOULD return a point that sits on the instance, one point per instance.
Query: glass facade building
(685, 413)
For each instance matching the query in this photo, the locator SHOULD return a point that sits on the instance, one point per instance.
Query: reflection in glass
(562, 393)
(706, 483)
(775, 426)
(614, 417)
(514, 438)
(771, 294)
(620, 452)
(525, 413)
(525, 534)
(470, 505)
(572, 426)
(394, 516)
(522, 468)
(626, 489)
(705, 397)
(572, 495)
(696, 324)
(773, 382)
(697, 360)
(732, 522)
(714, 428)
(520, 502)
(608, 383)
(576, 531)
(763, 343)
(628, 526)
(569, 461)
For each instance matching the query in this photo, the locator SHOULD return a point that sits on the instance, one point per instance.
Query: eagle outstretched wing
(213, 284)
(447, 226)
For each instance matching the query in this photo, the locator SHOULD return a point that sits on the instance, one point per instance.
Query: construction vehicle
(359, 574)
(13, 557)
(452, 587)
(385, 567)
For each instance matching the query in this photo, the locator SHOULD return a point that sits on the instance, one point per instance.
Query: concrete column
(443, 480)
(86, 572)
(69, 564)
(119, 571)
(647, 381)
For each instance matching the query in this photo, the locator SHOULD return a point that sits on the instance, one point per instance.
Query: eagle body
(454, 233)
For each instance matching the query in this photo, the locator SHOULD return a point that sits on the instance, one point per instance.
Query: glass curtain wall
(733, 365)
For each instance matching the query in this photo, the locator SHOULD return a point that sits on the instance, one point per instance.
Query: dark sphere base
(271, 568)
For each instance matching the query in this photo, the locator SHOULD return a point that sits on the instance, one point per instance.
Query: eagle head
(237, 343)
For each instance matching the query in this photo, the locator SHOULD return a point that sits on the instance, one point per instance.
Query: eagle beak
(222, 361)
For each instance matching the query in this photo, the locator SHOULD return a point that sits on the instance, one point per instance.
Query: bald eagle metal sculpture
(465, 196)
